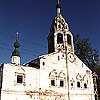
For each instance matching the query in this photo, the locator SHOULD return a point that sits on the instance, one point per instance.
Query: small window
(19, 78)
(85, 85)
(59, 38)
(69, 39)
(61, 83)
(43, 63)
(78, 84)
(95, 88)
(58, 58)
(72, 84)
(53, 82)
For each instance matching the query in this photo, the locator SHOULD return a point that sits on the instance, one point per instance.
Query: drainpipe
(67, 73)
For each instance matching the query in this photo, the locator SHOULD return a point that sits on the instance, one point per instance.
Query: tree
(88, 55)
(96, 68)
(84, 50)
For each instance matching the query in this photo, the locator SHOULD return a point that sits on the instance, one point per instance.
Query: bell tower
(60, 38)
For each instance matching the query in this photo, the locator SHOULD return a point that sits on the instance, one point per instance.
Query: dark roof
(34, 63)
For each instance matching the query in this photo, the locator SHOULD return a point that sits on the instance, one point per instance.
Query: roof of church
(16, 53)
(34, 63)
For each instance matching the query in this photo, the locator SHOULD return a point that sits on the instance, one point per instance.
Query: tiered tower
(60, 38)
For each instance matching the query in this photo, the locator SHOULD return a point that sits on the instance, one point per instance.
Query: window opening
(71, 84)
(59, 38)
(53, 82)
(58, 58)
(78, 84)
(43, 63)
(61, 83)
(85, 85)
(94, 88)
(68, 39)
(19, 78)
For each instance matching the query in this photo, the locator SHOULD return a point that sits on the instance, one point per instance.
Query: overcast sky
(33, 18)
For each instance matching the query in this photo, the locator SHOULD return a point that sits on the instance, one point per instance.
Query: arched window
(61, 83)
(78, 84)
(59, 38)
(57, 79)
(69, 39)
(85, 82)
(72, 83)
(85, 85)
(79, 80)
(53, 77)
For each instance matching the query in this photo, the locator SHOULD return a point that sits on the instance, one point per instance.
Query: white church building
(58, 75)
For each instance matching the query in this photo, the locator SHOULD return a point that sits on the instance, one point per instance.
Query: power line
(35, 43)
(22, 39)
(31, 47)
(27, 43)
(23, 50)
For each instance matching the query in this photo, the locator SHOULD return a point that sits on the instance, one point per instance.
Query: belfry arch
(69, 40)
(59, 38)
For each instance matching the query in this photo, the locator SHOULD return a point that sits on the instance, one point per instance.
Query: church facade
(58, 75)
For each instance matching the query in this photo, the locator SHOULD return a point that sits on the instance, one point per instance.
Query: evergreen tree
(88, 55)
(84, 50)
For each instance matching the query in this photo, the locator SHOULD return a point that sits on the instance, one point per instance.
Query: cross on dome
(58, 1)
(17, 35)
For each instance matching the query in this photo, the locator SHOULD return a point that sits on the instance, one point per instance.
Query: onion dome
(16, 46)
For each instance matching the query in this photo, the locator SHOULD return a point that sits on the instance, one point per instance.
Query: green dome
(16, 44)
(16, 53)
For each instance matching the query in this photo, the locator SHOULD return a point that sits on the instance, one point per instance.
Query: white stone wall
(20, 91)
(79, 72)
(77, 69)
(37, 82)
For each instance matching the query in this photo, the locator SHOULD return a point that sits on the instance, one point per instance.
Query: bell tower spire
(16, 53)
(58, 7)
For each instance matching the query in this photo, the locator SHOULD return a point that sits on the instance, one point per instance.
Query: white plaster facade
(37, 85)
(59, 75)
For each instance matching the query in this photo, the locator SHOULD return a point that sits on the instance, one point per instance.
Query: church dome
(16, 44)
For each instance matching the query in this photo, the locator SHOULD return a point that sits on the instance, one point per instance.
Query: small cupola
(16, 53)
